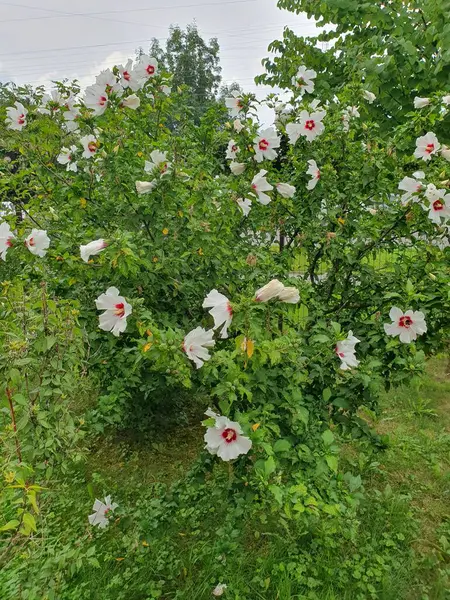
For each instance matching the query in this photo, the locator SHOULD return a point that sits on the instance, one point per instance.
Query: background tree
(398, 49)
(193, 62)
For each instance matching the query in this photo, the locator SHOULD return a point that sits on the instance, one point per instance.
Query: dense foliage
(399, 49)
(128, 203)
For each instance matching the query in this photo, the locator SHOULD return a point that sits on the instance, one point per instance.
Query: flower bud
(269, 291)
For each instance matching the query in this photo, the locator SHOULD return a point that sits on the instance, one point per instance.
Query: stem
(44, 306)
(13, 419)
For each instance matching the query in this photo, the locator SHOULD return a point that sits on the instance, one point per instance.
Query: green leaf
(282, 446)
(13, 524)
(320, 338)
(50, 341)
(332, 462)
(328, 437)
(277, 492)
(326, 394)
(336, 327)
(29, 522)
(14, 376)
(331, 509)
(341, 403)
(31, 495)
(269, 466)
(303, 414)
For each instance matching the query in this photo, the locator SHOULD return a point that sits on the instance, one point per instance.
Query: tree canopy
(399, 49)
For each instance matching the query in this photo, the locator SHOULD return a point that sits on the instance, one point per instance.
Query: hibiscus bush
(276, 276)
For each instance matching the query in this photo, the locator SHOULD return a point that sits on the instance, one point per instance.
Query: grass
(398, 549)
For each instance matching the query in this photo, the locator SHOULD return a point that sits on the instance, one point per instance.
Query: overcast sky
(41, 40)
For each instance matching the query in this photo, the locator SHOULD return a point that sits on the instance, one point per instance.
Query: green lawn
(398, 548)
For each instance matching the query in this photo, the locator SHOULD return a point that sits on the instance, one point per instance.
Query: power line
(63, 14)
(223, 47)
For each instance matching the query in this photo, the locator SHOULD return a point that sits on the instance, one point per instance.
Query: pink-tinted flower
(234, 104)
(132, 101)
(158, 162)
(439, 209)
(71, 117)
(66, 157)
(269, 291)
(92, 249)
(289, 295)
(411, 187)
(107, 81)
(102, 512)
(221, 311)
(145, 187)
(128, 77)
(232, 150)
(96, 99)
(265, 145)
(351, 112)
(369, 96)
(237, 168)
(260, 185)
(225, 439)
(146, 68)
(303, 80)
(16, 117)
(196, 344)
(294, 131)
(445, 151)
(421, 102)
(245, 205)
(51, 103)
(311, 124)
(38, 242)
(90, 146)
(345, 349)
(406, 325)
(116, 308)
(285, 190)
(314, 171)
(6, 237)
(426, 146)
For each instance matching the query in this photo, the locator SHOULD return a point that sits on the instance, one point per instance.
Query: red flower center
(120, 310)
(92, 146)
(263, 144)
(21, 119)
(318, 175)
(239, 103)
(229, 435)
(438, 204)
(126, 76)
(229, 309)
(234, 148)
(31, 242)
(429, 148)
(103, 99)
(254, 186)
(405, 322)
(310, 124)
(9, 242)
(150, 69)
(300, 82)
